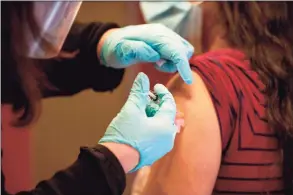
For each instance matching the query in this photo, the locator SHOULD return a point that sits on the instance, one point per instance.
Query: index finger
(184, 70)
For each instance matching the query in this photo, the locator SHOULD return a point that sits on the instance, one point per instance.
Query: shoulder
(193, 144)
(194, 99)
(213, 72)
(213, 97)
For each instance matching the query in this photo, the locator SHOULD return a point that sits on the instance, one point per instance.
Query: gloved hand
(153, 136)
(126, 46)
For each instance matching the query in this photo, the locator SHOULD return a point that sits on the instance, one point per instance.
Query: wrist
(127, 155)
(102, 41)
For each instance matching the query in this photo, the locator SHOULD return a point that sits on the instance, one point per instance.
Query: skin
(192, 166)
(102, 40)
(127, 156)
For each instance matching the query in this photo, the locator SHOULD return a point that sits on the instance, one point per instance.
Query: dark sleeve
(96, 171)
(69, 76)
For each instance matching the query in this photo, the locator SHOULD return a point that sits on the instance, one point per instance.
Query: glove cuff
(133, 145)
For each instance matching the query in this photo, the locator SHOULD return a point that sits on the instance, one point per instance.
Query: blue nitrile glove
(126, 46)
(152, 137)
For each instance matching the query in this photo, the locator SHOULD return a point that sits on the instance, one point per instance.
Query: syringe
(153, 96)
(153, 107)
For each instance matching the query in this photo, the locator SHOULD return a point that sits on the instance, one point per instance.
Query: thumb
(167, 106)
(184, 69)
(138, 96)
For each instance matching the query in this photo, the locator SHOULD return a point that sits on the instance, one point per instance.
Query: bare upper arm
(192, 166)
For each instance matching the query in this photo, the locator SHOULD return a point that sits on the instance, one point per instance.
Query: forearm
(127, 156)
(70, 77)
(97, 171)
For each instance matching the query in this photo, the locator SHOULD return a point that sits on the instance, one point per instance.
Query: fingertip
(142, 81)
(184, 71)
(188, 81)
(142, 76)
(165, 95)
(160, 89)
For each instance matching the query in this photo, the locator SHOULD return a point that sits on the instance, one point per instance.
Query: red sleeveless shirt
(251, 152)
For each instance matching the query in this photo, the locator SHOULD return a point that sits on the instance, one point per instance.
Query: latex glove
(153, 136)
(126, 46)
